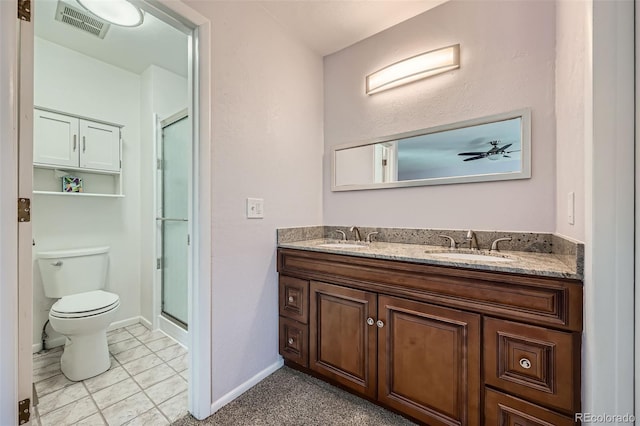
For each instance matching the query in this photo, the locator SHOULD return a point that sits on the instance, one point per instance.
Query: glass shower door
(175, 167)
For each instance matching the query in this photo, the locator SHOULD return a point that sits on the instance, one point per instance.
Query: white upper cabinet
(55, 139)
(100, 146)
(62, 140)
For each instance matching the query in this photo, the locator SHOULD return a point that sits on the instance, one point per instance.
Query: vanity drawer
(294, 341)
(505, 410)
(535, 363)
(294, 298)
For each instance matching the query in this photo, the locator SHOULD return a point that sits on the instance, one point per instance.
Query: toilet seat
(84, 305)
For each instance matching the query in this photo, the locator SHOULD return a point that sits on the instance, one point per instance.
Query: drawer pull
(380, 324)
(290, 299)
(290, 341)
(525, 363)
(370, 321)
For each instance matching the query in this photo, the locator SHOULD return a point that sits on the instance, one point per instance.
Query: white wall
(572, 48)
(507, 63)
(74, 83)
(267, 143)
(163, 93)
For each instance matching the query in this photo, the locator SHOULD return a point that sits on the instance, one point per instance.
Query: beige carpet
(288, 397)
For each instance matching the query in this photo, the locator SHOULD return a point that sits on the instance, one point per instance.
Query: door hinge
(24, 10)
(24, 413)
(159, 263)
(384, 162)
(24, 210)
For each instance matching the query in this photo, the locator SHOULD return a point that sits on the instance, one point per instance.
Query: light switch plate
(571, 208)
(255, 208)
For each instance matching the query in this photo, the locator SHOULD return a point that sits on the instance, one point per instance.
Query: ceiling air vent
(80, 19)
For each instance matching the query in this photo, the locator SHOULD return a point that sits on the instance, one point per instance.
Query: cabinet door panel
(100, 146)
(342, 344)
(294, 341)
(429, 361)
(294, 298)
(55, 139)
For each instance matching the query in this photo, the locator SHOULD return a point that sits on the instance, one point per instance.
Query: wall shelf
(79, 194)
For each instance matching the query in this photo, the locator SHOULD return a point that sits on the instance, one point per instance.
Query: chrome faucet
(356, 233)
(344, 235)
(452, 242)
(471, 238)
(371, 234)
(494, 244)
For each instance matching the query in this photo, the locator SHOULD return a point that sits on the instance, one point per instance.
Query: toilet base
(85, 356)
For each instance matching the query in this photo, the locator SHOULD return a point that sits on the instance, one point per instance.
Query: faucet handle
(370, 234)
(344, 235)
(452, 242)
(494, 244)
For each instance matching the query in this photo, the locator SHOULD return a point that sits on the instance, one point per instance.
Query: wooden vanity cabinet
(442, 345)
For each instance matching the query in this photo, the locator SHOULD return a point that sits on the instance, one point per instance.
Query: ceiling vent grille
(81, 20)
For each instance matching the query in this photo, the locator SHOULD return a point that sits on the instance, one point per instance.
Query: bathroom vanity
(443, 342)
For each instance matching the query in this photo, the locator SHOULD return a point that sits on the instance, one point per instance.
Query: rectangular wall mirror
(484, 149)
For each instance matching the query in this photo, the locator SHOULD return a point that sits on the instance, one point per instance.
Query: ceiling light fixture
(118, 12)
(415, 68)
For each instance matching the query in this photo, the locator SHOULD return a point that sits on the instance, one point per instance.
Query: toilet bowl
(83, 319)
(83, 311)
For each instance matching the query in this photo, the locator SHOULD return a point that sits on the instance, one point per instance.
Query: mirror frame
(525, 162)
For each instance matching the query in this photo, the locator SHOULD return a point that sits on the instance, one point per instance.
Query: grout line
(94, 403)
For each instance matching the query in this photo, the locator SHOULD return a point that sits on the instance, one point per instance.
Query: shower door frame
(159, 320)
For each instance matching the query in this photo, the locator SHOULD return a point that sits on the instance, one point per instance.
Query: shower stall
(172, 220)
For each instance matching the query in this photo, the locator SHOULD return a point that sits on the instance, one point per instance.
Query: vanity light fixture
(415, 68)
(118, 12)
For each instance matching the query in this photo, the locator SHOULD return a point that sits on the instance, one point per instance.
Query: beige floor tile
(154, 375)
(46, 372)
(52, 384)
(94, 420)
(152, 417)
(161, 392)
(163, 343)
(185, 375)
(48, 359)
(118, 335)
(124, 345)
(114, 375)
(171, 352)
(115, 393)
(175, 407)
(149, 336)
(61, 397)
(142, 364)
(132, 354)
(70, 413)
(137, 329)
(47, 352)
(128, 409)
(180, 363)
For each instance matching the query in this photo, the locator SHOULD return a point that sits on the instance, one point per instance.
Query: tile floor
(146, 384)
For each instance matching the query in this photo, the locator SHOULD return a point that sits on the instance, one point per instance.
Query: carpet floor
(288, 397)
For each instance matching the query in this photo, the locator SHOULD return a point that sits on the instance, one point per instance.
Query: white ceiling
(325, 26)
(133, 49)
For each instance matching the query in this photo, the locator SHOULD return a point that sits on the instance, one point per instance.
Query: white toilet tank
(66, 272)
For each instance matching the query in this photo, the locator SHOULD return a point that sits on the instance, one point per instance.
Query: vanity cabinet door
(505, 410)
(55, 139)
(429, 361)
(342, 336)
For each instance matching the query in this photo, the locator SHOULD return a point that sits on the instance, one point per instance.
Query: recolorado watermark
(604, 418)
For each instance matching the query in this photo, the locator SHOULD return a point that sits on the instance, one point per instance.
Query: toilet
(84, 311)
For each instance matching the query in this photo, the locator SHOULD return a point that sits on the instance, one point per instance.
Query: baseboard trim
(124, 323)
(230, 396)
(174, 331)
(50, 343)
(146, 323)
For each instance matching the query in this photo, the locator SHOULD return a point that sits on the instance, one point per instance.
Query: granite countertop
(521, 262)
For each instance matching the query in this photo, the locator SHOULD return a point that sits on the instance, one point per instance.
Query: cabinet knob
(525, 363)
(290, 341)
(380, 324)
(370, 321)
(290, 299)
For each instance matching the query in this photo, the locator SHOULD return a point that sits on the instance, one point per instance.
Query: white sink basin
(342, 245)
(468, 256)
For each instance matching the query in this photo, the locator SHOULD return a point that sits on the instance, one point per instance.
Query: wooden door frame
(14, 386)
